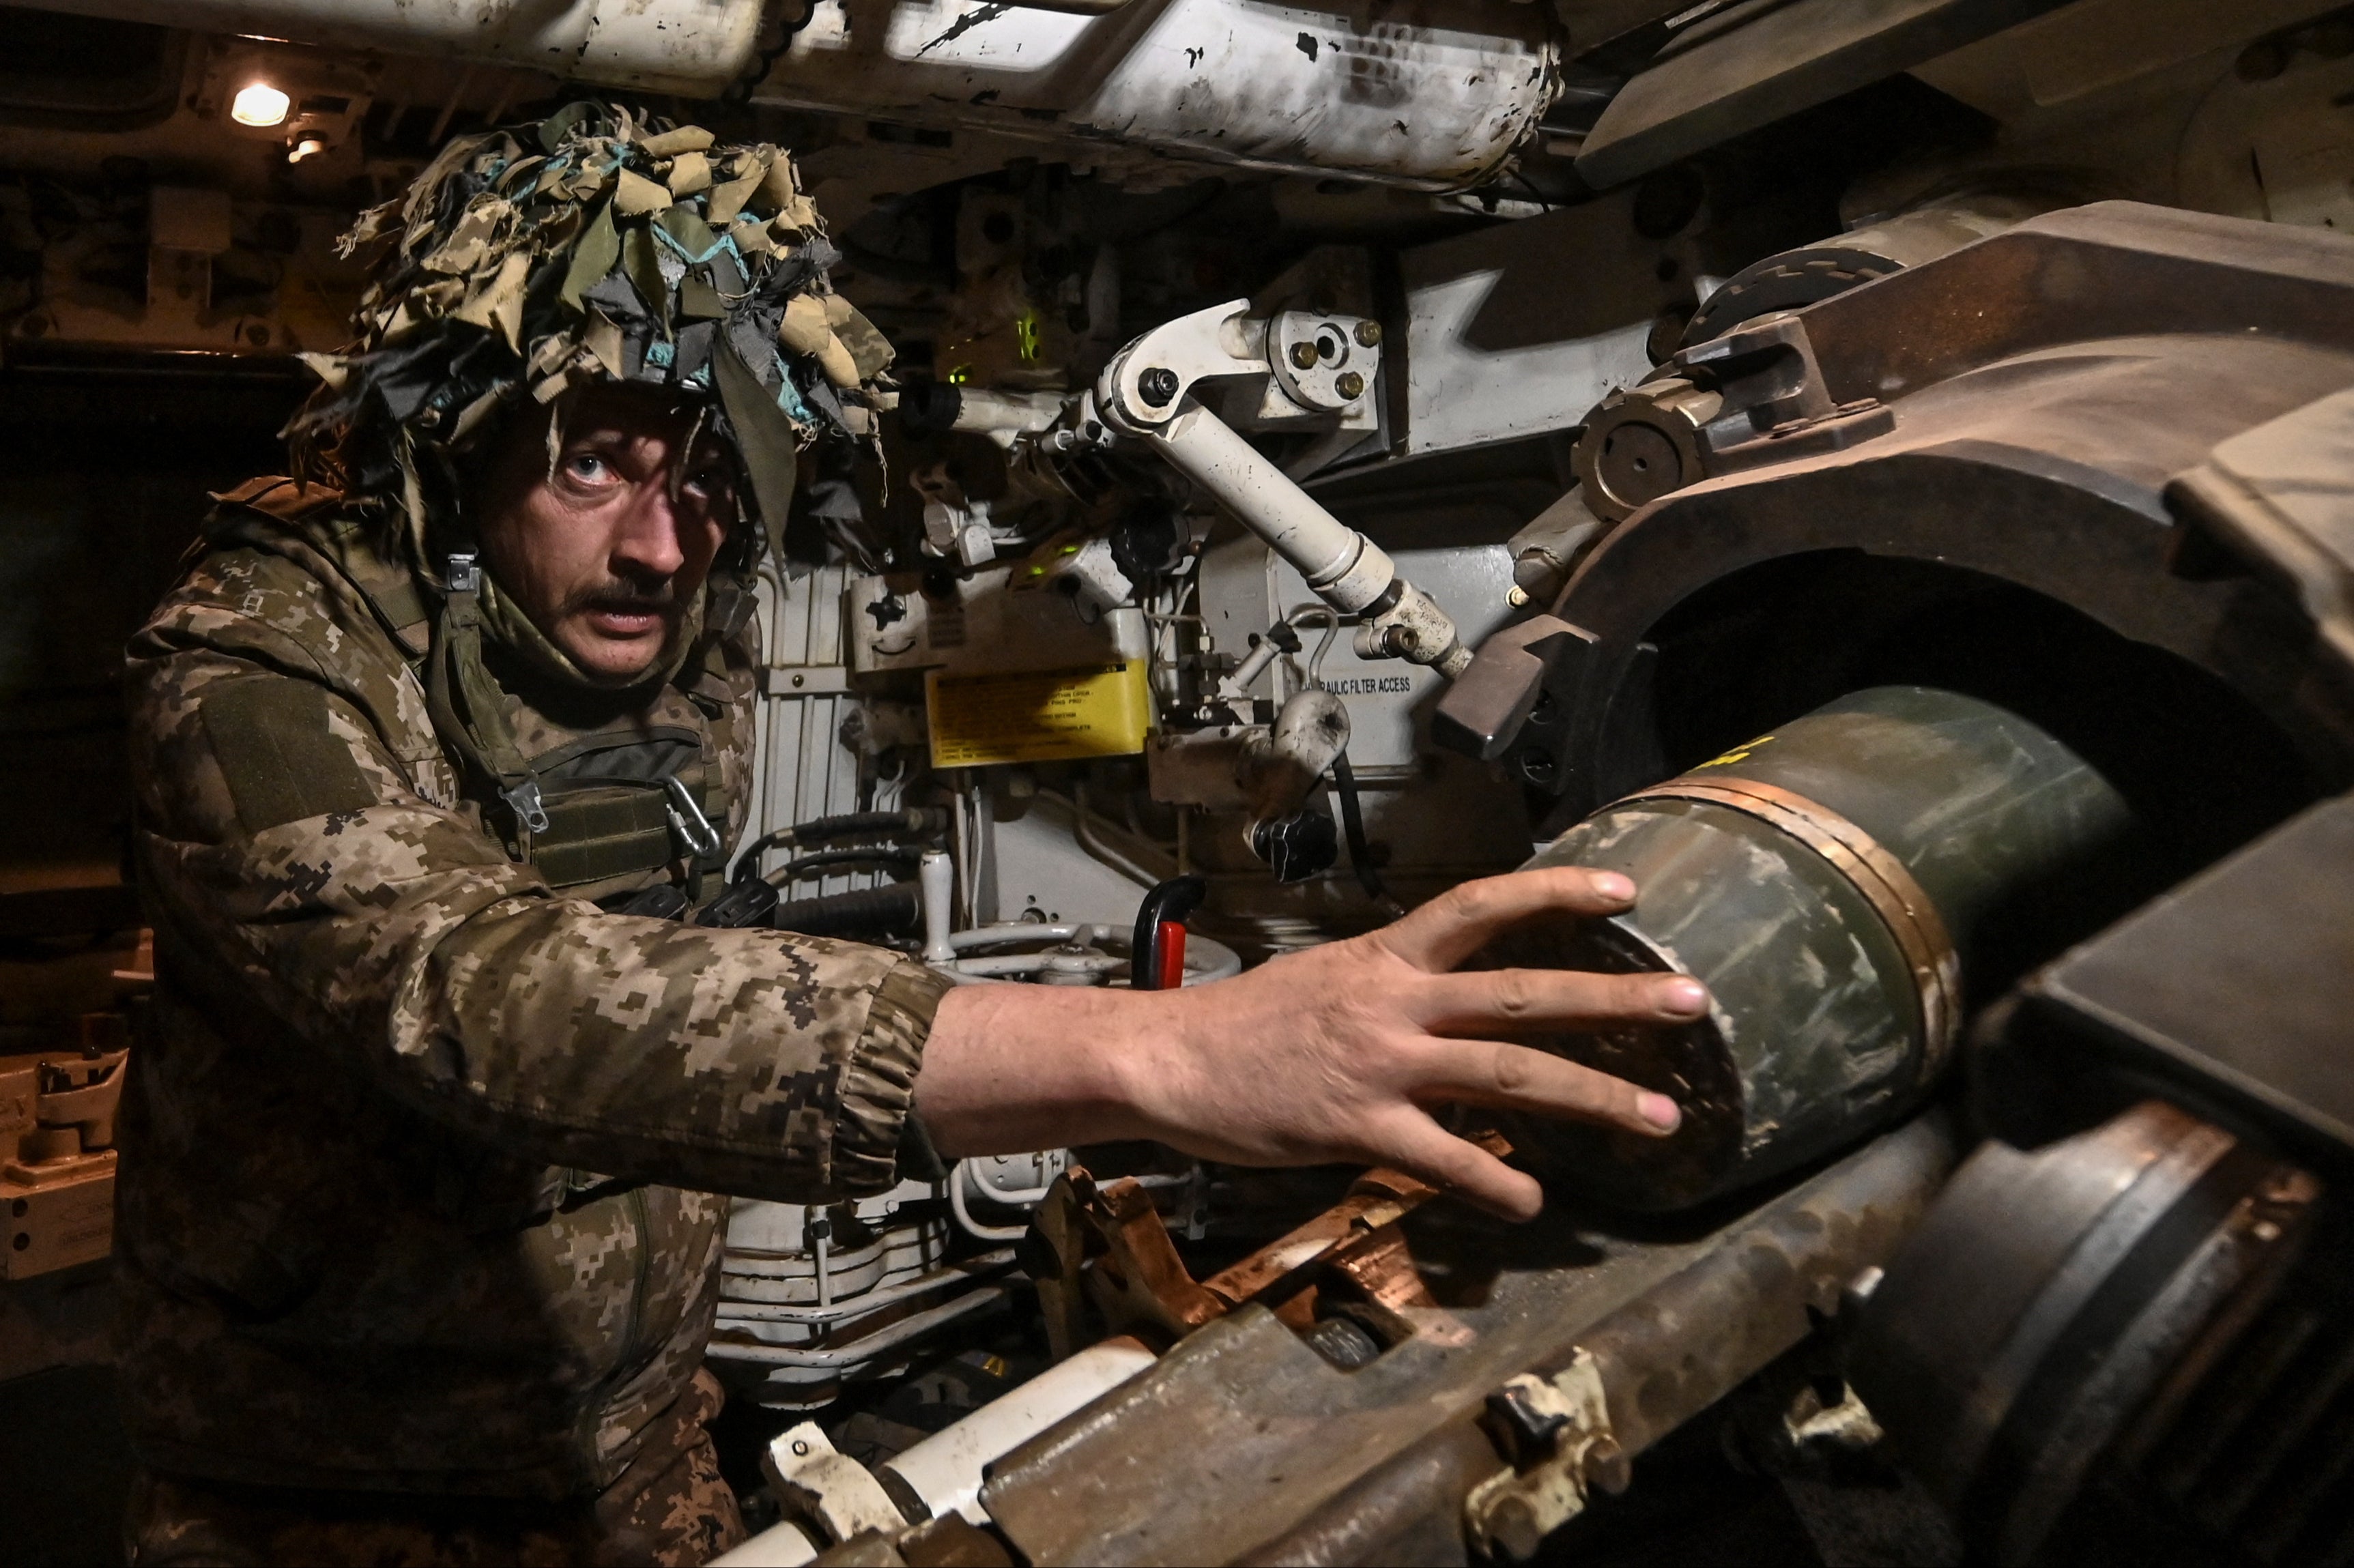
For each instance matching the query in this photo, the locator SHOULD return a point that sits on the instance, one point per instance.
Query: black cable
(862, 911)
(916, 822)
(1352, 825)
(756, 900)
(793, 870)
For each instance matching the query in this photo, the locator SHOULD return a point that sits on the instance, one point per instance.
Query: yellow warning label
(1046, 715)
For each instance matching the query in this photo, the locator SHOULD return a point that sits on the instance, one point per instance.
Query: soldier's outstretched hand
(1338, 1052)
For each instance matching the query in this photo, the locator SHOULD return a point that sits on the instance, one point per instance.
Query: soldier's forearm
(1335, 1053)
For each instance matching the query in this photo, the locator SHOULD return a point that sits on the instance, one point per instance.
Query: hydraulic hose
(916, 822)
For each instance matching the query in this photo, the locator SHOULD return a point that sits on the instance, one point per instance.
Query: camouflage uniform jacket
(416, 1151)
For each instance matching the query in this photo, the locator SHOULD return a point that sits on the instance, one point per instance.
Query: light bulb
(259, 104)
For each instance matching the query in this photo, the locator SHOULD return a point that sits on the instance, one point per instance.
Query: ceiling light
(259, 104)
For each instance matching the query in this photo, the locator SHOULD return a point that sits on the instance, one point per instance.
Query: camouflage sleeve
(290, 854)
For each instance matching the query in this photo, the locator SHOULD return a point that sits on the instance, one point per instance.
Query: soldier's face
(606, 548)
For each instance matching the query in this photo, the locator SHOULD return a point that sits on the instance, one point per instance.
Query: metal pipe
(1222, 81)
(964, 1271)
(946, 1469)
(1089, 829)
(867, 1346)
(962, 1210)
(936, 875)
(820, 1231)
(1346, 569)
(694, 48)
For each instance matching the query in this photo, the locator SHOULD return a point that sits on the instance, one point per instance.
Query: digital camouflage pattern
(416, 1151)
(672, 1515)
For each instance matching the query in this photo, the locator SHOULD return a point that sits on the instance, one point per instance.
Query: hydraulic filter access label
(1045, 716)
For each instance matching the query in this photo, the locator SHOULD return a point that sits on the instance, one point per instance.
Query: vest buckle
(524, 801)
(687, 820)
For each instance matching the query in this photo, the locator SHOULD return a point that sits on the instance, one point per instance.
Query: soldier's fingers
(1455, 925)
(1515, 1077)
(1420, 1146)
(1488, 1000)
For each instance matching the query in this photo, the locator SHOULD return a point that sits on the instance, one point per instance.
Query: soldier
(434, 744)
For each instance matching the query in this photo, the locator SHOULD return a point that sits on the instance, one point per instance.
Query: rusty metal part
(1381, 1266)
(1225, 1450)
(951, 1542)
(1110, 1244)
(1748, 66)
(1792, 280)
(1054, 1253)
(1892, 891)
(1751, 395)
(2049, 1297)
(1378, 1198)
(1738, 401)
(2249, 1451)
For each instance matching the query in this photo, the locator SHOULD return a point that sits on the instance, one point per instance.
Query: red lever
(1169, 954)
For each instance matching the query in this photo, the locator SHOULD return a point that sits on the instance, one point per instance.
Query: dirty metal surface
(2223, 985)
(2281, 497)
(2107, 270)
(1993, 474)
(1404, 91)
(2047, 383)
(1790, 58)
(2030, 1320)
(1244, 1435)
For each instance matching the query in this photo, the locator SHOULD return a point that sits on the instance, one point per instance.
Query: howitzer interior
(1884, 480)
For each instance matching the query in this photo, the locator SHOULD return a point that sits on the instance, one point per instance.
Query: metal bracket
(1508, 684)
(1146, 392)
(524, 799)
(830, 1490)
(1555, 1429)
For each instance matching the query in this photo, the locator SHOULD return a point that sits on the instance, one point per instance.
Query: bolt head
(1350, 385)
(1158, 387)
(1369, 334)
(1304, 356)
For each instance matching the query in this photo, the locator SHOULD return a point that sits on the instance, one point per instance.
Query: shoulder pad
(277, 496)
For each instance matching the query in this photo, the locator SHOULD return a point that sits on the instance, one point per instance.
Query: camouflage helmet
(593, 246)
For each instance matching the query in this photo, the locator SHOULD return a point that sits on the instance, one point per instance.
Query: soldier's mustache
(620, 597)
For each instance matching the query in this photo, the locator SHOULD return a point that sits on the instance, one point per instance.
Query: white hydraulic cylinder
(946, 1470)
(1347, 571)
(936, 886)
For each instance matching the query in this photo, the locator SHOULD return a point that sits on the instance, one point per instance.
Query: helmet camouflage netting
(592, 247)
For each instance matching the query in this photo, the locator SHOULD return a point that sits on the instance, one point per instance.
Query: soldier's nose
(646, 542)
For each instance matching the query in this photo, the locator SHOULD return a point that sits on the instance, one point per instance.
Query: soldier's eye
(588, 468)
